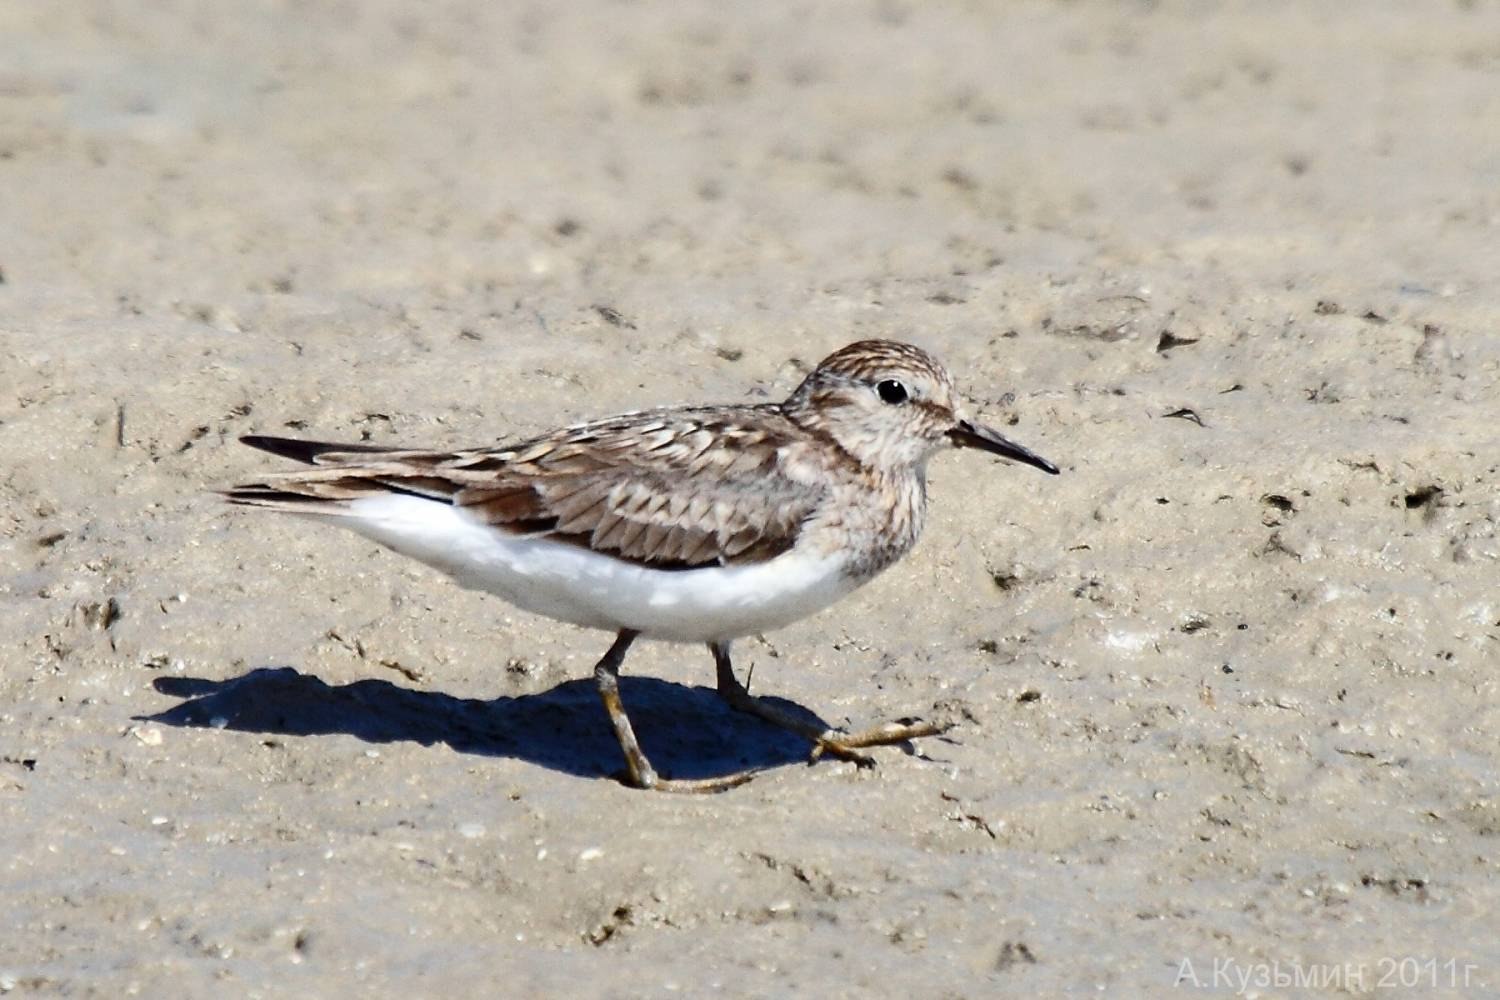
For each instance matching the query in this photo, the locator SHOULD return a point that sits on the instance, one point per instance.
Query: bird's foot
(648, 780)
(845, 746)
(833, 742)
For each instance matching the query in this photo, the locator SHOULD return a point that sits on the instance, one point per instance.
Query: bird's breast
(873, 524)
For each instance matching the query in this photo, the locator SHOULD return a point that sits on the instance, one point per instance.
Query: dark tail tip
(308, 451)
(301, 451)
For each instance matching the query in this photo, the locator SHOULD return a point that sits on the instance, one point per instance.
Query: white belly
(572, 584)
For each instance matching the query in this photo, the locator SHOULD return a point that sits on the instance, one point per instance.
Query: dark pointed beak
(968, 434)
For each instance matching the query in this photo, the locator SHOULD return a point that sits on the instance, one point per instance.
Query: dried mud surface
(1227, 685)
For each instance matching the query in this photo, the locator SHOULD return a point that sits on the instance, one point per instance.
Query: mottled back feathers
(670, 489)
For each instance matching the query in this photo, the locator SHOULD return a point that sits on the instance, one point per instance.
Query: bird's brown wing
(671, 489)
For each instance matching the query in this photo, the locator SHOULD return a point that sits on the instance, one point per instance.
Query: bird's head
(893, 405)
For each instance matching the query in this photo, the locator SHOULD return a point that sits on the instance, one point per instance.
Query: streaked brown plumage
(833, 477)
(671, 489)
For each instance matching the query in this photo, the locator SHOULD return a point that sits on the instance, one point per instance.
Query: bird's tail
(341, 473)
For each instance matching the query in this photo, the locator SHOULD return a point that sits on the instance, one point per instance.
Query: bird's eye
(891, 391)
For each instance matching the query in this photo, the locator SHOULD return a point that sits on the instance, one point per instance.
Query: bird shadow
(687, 732)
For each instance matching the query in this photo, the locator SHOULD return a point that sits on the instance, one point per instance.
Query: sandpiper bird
(689, 524)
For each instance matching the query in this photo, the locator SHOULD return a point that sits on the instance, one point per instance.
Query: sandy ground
(1228, 685)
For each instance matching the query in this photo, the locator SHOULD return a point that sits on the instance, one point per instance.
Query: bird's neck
(885, 520)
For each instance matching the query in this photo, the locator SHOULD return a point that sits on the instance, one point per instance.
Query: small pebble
(149, 735)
